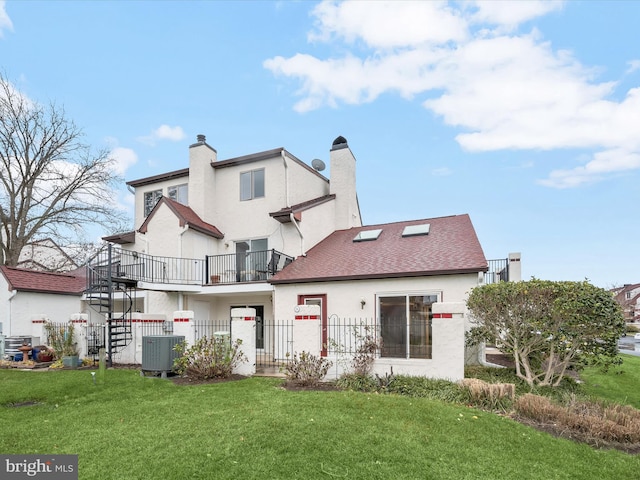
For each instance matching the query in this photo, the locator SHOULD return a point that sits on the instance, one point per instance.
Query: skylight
(414, 230)
(367, 235)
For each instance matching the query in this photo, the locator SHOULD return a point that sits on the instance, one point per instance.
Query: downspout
(11, 295)
(295, 224)
(286, 178)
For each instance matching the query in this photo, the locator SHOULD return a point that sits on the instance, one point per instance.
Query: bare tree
(51, 184)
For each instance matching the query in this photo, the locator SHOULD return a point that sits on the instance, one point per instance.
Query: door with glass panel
(405, 325)
(251, 259)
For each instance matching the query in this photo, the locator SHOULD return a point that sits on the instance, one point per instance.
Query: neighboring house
(47, 256)
(628, 296)
(29, 294)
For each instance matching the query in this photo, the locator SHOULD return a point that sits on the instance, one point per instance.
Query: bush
(596, 422)
(632, 329)
(436, 389)
(358, 383)
(208, 358)
(491, 396)
(306, 369)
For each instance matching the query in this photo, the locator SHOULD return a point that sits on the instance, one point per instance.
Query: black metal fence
(228, 268)
(498, 271)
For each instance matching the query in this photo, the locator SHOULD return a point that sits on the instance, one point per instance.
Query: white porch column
(307, 330)
(243, 327)
(515, 267)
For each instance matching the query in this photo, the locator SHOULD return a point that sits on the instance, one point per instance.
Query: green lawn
(620, 384)
(141, 428)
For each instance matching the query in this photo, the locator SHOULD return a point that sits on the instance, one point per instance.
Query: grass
(620, 384)
(139, 428)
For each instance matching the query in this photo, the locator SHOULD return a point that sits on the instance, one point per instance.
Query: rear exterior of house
(268, 235)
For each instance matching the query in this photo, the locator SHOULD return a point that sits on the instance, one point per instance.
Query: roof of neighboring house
(186, 216)
(284, 214)
(450, 247)
(70, 283)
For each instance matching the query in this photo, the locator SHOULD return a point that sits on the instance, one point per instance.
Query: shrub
(208, 358)
(492, 396)
(436, 389)
(358, 383)
(596, 422)
(306, 369)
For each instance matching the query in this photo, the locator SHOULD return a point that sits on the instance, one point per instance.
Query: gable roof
(70, 283)
(450, 247)
(186, 216)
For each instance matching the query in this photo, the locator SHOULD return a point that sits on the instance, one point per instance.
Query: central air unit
(158, 353)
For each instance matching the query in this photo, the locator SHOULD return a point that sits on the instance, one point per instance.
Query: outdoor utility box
(158, 353)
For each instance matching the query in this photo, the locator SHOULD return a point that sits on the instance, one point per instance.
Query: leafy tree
(51, 184)
(547, 326)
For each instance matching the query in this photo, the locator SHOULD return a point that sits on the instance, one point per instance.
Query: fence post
(243, 327)
(37, 329)
(307, 335)
(183, 325)
(80, 321)
(448, 326)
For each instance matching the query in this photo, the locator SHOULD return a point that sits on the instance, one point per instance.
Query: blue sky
(525, 115)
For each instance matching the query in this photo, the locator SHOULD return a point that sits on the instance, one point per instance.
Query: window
(414, 230)
(405, 325)
(252, 184)
(150, 200)
(367, 235)
(179, 193)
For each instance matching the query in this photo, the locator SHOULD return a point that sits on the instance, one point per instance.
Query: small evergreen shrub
(436, 389)
(358, 383)
(208, 358)
(305, 369)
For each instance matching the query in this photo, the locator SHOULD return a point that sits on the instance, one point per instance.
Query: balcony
(128, 266)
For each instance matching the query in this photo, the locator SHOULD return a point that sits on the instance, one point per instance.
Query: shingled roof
(450, 247)
(70, 283)
(186, 216)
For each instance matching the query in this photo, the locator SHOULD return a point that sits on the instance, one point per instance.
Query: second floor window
(150, 200)
(179, 194)
(252, 184)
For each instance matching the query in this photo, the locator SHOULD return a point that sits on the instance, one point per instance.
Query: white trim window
(405, 325)
(179, 193)
(252, 184)
(150, 200)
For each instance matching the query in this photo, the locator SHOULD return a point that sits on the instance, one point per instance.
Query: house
(268, 238)
(46, 255)
(628, 296)
(29, 297)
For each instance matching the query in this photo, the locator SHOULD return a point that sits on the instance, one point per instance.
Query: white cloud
(163, 132)
(503, 88)
(603, 163)
(5, 21)
(124, 158)
(633, 66)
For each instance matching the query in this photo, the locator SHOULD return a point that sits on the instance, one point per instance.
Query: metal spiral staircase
(106, 284)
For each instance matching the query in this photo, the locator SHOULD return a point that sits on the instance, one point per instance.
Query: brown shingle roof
(186, 216)
(70, 283)
(451, 247)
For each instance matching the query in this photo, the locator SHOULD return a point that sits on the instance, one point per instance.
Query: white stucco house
(266, 233)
